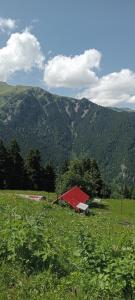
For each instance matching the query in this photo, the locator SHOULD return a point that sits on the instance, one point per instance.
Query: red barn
(76, 198)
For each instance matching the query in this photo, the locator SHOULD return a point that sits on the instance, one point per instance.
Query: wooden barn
(76, 198)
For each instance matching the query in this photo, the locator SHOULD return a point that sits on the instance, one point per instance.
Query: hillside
(51, 252)
(62, 127)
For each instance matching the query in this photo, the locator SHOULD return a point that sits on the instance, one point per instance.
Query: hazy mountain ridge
(62, 127)
(121, 109)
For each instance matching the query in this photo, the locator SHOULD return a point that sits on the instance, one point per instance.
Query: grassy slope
(6, 89)
(107, 220)
(64, 225)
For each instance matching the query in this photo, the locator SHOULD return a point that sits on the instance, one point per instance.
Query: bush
(109, 271)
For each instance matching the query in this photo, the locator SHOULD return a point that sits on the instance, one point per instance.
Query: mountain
(121, 109)
(62, 127)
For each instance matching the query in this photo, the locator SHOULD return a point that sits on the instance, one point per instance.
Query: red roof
(74, 196)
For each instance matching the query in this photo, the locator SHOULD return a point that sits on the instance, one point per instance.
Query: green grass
(109, 220)
(109, 223)
(6, 89)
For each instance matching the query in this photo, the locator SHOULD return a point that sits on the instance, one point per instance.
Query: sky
(77, 48)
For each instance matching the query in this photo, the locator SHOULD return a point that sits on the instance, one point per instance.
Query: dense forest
(15, 173)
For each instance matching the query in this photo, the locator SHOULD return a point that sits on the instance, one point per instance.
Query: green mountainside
(63, 128)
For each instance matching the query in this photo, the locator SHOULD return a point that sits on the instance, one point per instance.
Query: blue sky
(66, 29)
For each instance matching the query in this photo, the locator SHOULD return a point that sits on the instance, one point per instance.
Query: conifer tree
(65, 166)
(49, 178)
(16, 166)
(3, 166)
(96, 178)
(34, 170)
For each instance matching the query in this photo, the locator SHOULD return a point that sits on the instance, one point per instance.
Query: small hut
(76, 198)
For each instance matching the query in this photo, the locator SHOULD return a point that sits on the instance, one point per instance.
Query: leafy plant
(109, 271)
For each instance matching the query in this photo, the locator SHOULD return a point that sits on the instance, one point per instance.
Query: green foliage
(15, 173)
(39, 178)
(3, 165)
(26, 243)
(49, 178)
(109, 271)
(16, 167)
(84, 173)
(120, 190)
(49, 252)
(65, 166)
(34, 170)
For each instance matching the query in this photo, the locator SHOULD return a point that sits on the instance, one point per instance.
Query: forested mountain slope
(63, 128)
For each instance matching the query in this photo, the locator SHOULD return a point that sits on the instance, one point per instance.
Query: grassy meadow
(39, 245)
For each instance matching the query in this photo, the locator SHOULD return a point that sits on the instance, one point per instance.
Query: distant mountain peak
(3, 83)
(122, 109)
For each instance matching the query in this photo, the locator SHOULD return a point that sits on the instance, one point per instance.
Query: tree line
(17, 173)
(29, 173)
(84, 173)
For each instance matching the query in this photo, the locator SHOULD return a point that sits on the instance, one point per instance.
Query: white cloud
(72, 72)
(80, 71)
(7, 24)
(22, 52)
(114, 89)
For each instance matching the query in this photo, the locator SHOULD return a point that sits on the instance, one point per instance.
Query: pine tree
(65, 166)
(34, 170)
(96, 178)
(16, 166)
(3, 166)
(49, 178)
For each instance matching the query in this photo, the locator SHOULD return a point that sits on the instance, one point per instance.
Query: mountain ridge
(65, 128)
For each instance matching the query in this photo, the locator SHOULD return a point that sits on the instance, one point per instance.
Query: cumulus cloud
(21, 53)
(80, 72)
(73, 72)
(114, 89)
(7, 24)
